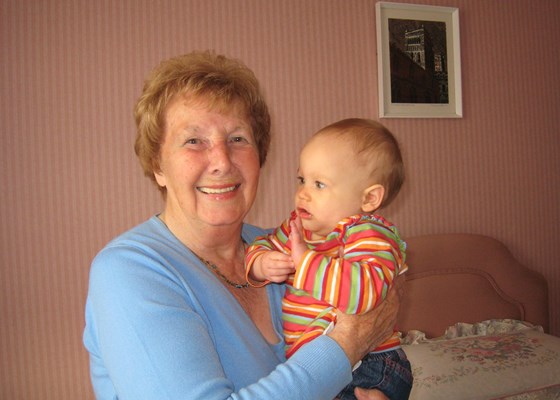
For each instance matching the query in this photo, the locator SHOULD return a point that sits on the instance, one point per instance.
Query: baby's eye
(300, 180)
(319, 185)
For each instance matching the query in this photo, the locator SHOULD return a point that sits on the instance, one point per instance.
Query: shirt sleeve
(356, 277)
(155, 345)
(277, 240)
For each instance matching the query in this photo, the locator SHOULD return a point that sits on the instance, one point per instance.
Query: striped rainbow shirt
(352, 269)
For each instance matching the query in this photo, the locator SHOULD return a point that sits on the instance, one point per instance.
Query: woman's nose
(219, 157)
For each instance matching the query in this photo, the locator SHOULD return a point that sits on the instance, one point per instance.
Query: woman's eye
(240, 139)
(192, 141)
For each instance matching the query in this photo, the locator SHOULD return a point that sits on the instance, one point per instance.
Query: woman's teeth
(217, 191)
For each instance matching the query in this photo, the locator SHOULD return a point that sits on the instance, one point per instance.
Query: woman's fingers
(369, 394)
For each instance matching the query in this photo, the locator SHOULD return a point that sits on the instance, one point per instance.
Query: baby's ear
(372, 198)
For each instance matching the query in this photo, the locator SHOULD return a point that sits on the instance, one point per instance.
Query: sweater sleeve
(148, 339)
(356, 277)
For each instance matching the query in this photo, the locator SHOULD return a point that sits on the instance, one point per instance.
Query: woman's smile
(218, 190)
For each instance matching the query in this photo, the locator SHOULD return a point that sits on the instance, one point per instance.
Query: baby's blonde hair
(377, 148)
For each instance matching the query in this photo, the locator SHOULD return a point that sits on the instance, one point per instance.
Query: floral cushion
(493, 359)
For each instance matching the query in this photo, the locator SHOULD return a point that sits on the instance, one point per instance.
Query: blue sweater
(160, 325)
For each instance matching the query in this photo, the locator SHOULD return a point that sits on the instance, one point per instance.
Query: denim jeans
(388, 371)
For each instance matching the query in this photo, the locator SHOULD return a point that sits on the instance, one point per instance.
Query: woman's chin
(222, 216)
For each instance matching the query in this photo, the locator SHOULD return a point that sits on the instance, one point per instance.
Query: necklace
(214, 268)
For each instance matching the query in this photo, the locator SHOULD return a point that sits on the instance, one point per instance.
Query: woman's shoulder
(149, 227)
(147, 240)
(250, 232)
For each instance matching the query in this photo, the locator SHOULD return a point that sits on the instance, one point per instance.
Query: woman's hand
(359, 334)
(369, 394)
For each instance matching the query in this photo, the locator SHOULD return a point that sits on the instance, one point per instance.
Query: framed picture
(419, 61)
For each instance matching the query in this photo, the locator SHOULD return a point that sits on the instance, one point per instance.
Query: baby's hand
(298, 244)
(273, 266)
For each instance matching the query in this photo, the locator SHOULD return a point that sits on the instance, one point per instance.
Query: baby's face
(331, 184)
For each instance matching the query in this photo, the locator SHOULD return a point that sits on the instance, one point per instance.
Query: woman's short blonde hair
(203, 75)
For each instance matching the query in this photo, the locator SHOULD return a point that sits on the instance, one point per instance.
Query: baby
(334, 252)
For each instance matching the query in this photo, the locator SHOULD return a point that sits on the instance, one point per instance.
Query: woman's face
(209, 164)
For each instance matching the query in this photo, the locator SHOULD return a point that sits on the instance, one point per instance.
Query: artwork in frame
(419, 61)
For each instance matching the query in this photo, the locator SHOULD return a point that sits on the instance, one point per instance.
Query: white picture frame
(419, 61)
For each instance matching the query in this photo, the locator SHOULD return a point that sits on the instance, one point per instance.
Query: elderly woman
(169, 313)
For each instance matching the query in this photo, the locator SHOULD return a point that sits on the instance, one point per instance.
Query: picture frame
(419, 61)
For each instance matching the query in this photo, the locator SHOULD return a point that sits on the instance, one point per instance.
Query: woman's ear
(372, 198)
(160, 178)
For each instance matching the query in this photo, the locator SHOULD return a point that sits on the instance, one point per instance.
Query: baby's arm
(268, 258)
(271, 266)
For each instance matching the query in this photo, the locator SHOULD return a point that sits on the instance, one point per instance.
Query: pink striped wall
(70, 72)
